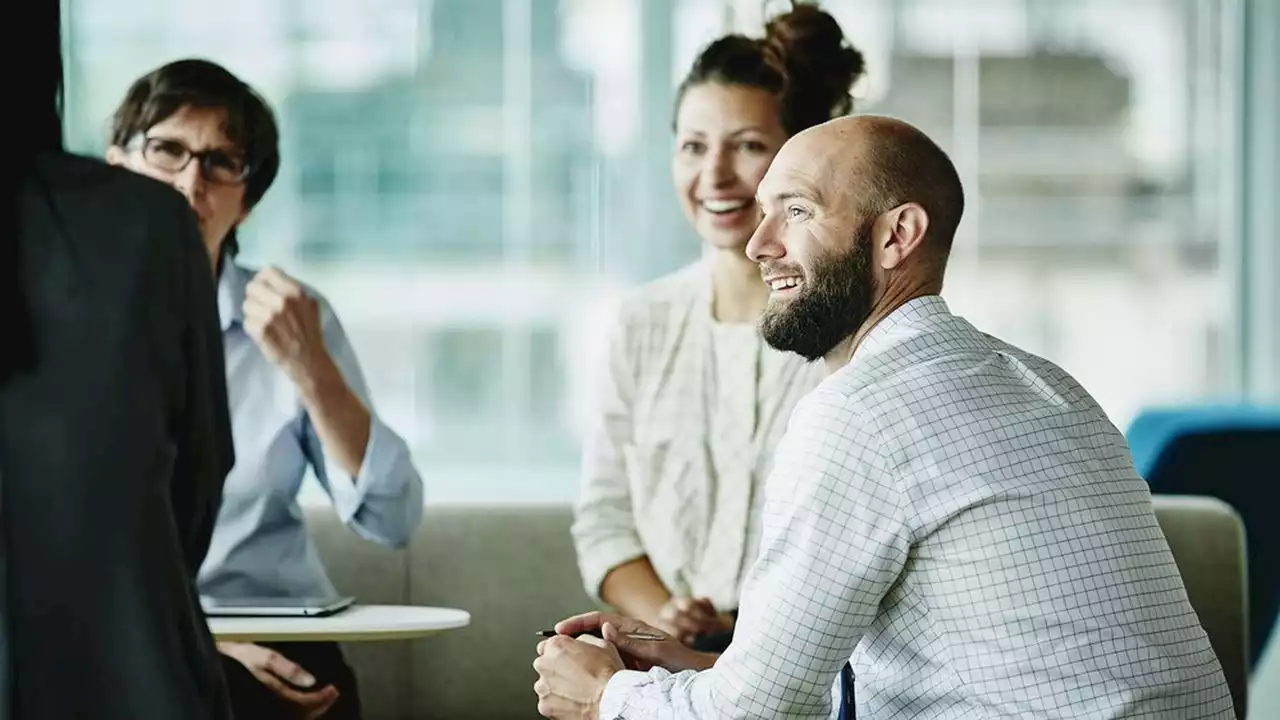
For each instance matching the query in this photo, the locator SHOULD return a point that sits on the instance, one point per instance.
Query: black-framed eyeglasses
(217, 166)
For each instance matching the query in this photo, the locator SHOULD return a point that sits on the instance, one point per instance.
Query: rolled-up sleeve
(604, 527)
(384, 502)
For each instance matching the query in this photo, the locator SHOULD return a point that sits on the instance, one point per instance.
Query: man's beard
(834, 301)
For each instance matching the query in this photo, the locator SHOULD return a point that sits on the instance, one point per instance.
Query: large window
(470, 180)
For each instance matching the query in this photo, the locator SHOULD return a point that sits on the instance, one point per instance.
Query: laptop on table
(275, 606)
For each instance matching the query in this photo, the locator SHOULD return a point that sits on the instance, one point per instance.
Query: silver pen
(652, 637)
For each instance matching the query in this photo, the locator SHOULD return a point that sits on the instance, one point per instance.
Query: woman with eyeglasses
(297, 396)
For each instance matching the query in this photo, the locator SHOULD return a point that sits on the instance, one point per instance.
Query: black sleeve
(204, 441)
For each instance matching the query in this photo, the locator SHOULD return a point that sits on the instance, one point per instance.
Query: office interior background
(472, 182)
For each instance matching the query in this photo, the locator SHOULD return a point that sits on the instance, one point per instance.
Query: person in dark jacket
(114, 431)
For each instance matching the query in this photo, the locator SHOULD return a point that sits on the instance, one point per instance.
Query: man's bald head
(884, 163)
(859, 217)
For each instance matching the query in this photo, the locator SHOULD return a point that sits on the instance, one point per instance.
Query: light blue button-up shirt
(260, 546)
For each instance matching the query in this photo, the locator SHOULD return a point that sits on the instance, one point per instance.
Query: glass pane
(471, 181)
(1088, 153)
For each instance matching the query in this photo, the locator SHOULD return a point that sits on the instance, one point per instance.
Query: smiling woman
(667, 523)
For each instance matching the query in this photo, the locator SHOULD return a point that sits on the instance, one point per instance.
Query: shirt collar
(231, 289)
(888, 331)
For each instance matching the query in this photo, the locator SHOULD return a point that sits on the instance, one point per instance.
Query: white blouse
(682, 439)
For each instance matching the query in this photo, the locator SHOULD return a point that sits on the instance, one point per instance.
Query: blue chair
(1230, 452)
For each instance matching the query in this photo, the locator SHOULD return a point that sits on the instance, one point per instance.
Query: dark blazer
(113, 451)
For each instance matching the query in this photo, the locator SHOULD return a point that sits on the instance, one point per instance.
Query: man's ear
(116, 155)
(907, 225)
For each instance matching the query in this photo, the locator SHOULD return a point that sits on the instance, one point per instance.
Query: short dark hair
(803, 60)
(250, 123)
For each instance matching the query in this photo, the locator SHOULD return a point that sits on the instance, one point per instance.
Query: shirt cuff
(604, 556)
(379, 457)
(618, 692)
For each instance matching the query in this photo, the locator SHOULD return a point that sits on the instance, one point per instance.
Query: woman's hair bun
(821, 65)
(804, 60)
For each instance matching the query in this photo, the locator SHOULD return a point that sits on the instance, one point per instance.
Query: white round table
(358, 623)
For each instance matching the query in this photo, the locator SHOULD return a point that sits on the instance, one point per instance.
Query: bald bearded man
(950, 520)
